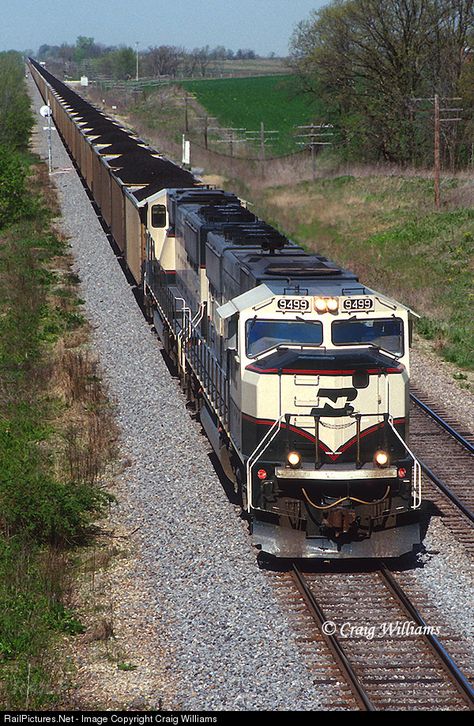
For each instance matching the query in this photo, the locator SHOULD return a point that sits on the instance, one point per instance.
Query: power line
(311, 139)
(231, 138)
(263, 136)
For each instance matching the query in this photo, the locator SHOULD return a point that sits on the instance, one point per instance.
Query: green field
(246, 102)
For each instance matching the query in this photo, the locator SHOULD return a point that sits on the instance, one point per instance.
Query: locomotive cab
(322, 391)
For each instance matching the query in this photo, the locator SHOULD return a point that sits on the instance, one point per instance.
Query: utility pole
(437, 126)
(136, 74)
(438, 120)
(263, 136)
(186, 98)
(231, 139)
(186, 117)
(311, 135)
(207, 128)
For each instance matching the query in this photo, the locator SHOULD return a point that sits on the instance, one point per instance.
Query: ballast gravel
(205, 617)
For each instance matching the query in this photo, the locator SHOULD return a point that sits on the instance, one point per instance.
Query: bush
(13, 192)
(16, 120)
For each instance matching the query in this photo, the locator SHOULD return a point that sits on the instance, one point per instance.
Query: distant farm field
(246, 102)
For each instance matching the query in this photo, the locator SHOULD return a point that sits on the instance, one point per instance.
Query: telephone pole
(231, 138)
(263, 136)
(207, 128)
(312, 136)
(186, 99)
(437, 140)
(438, 110)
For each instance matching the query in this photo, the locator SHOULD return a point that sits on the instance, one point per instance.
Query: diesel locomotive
(299, 372)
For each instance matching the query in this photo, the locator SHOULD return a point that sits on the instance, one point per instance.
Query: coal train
(300, 373)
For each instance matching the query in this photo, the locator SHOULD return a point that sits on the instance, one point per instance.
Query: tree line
(119, 62)
(377, 65)
(16, 121)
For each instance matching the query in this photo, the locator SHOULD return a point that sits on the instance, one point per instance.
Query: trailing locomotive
(300, 373)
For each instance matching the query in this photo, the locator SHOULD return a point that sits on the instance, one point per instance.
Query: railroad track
(373, 649)
(446, 454)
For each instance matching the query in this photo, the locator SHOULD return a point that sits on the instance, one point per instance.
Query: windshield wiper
(379, 349)
(290, 346)
(302, 320)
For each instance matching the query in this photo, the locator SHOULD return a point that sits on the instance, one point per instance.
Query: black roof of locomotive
(288, 265)
(202, 196)
(260, 233)
(225, 213)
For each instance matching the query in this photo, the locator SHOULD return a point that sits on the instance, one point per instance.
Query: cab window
(264, 335)
(158, 215)
(386, 333)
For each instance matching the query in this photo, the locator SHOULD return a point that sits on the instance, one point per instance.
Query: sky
(261, 25)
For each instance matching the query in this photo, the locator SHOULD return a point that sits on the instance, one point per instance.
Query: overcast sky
(262, 25)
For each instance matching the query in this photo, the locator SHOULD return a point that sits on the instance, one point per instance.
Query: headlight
(326, 304)
(320, 305)
(381, 458)
(294, 459)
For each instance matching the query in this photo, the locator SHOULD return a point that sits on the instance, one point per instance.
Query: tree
(163, 60)
(85, 48)
(466, 89)
(201, 59)
(245, 54)
(123, 63)
(13, 194)
(368, 60)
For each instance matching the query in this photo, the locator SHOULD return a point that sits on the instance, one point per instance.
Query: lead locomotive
(300, 374)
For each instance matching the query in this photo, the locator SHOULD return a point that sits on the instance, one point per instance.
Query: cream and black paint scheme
(263, 395)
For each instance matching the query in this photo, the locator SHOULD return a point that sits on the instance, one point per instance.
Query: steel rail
(454, 498)
(456, 674)
(333, 643)
(448, 492)
(444, 424)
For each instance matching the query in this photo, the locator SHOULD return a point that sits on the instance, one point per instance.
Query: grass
(247, 102)
(52, 456)
(385, 229)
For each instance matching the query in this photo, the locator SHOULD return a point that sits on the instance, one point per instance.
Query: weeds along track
(368, 645)
(446, 454)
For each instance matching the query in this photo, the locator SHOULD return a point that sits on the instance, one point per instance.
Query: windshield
(266, 334)
(386, 334)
